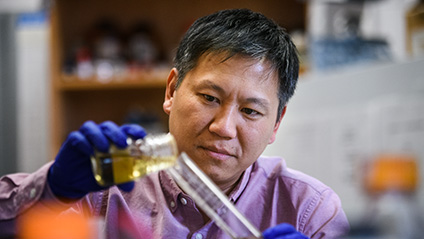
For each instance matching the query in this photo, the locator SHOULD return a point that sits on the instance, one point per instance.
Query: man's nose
(224, 122)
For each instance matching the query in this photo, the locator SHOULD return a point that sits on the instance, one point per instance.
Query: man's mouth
(217, 153)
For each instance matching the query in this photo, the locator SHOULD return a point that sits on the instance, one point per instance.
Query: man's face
(223, 114)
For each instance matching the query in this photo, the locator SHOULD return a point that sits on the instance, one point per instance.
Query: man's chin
(214, 175)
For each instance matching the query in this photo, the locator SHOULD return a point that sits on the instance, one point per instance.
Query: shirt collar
(241, 185)
(170, 189)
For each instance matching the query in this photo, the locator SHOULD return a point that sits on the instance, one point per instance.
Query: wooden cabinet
(74, 101)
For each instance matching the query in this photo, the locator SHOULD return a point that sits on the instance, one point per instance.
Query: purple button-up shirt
(268, 194)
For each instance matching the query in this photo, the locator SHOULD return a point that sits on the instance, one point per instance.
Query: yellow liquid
(110, 169)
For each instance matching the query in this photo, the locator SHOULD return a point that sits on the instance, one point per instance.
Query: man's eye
(209, 98)
(250, 111)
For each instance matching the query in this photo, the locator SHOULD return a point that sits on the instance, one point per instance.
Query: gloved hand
(283, 231)
(71, 175)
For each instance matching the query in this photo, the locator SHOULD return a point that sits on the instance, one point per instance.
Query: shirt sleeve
(324, 217)
(21, 191)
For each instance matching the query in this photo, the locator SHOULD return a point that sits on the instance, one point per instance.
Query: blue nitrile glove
(283, 231)
(71, 175)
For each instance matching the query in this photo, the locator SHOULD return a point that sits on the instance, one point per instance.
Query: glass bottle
(141, 157)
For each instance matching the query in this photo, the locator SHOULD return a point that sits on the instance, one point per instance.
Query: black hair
(241, 32)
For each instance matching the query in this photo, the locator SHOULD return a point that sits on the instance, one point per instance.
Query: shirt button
(199, 236)
(32, 193)
(184, 202)
(172, 204)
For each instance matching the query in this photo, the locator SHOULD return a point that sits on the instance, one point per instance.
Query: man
(235, 71)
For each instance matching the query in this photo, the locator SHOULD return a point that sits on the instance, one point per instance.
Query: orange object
(51, 224)
(392, 173)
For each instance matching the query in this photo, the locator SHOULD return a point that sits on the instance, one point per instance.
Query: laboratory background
(356, 121)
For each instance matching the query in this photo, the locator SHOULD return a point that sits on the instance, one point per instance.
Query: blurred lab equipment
(390, 181)
(336, 37)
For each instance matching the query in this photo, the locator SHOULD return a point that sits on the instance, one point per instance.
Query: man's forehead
(223, 57)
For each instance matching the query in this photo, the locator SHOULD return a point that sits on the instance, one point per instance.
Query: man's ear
(170, 90)
(277, 125)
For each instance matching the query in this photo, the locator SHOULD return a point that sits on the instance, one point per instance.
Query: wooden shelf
(135, 81)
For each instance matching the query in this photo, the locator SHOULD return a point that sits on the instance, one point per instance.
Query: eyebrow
(210, 84)
(258, 101)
